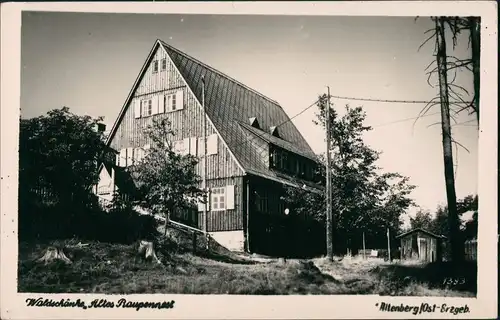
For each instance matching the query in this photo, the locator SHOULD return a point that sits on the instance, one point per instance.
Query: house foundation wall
(232, 240)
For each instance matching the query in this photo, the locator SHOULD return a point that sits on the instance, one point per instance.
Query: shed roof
(421, 230)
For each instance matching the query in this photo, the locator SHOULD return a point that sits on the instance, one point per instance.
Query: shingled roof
(229, 104)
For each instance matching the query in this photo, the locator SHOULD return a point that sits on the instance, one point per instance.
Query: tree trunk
(475, 36)
(52, 254)
(147, 251)
(453, 225)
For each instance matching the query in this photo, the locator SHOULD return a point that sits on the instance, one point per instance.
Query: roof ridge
(220, 73)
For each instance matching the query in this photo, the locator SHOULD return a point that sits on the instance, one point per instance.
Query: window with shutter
(163, 64)
(218, 199)
(147, 107)
(155, 66)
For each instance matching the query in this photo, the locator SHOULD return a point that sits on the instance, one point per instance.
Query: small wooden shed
(420, 244)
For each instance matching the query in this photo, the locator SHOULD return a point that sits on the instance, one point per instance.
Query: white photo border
(13, 304)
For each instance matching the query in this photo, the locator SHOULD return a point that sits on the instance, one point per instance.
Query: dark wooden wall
(410, 247)
(273, 232)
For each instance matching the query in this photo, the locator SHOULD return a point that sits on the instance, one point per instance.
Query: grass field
(115, 268)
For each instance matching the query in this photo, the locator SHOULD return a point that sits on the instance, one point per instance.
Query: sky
(89, 62)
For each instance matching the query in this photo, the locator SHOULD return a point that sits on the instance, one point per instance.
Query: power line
(403, 120)
(284, 122)
(394, 101)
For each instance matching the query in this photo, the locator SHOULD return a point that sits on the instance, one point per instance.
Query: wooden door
(423, 249)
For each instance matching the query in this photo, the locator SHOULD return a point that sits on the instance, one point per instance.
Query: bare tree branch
(427, 40)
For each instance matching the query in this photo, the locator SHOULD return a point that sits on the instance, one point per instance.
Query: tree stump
(147, 251)
(53, 254)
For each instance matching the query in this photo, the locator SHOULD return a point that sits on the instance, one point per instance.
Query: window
(218, 196)
(166, 99)
(174, 102)
(163, 64)
(147, 107)
(261, 203)
(179, 147)
(106, 189)
(155, 66)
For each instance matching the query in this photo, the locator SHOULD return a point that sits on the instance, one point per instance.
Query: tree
(422, 219)
(167, 180)
(447, 90)
(59, 154)
(364, 199)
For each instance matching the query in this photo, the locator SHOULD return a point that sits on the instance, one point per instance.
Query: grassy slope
(114, 268)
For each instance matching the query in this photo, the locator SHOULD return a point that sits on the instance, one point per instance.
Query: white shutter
(161, 104)
(138, 155)
(230, 197)
(154, 106)
(200, 147)
(137, 108)
(212, 144)
(193, 146)
(123, 158)
(146, 149)
(130, 156)
(186, 146)
(179, 100)
(201, 205)
(117, 159)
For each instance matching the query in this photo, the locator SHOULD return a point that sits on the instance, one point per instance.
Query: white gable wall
(187, 122)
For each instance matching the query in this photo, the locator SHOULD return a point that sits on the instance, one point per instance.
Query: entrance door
(423, 250)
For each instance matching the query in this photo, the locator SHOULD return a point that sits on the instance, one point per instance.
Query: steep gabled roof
(229, 103)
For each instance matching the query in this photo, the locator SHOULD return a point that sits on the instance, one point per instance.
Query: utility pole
(364, 247)
(329, 216)
(388, 245)
(204, 175)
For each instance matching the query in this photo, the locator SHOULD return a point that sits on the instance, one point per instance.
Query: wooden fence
(471, 250)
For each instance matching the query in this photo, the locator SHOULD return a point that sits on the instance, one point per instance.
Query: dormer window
(291, 163)
(274, 131)
(254, 123)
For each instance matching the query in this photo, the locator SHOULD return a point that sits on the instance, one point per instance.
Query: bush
(41, 221)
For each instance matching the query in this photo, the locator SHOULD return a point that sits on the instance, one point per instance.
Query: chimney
(101, 127)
